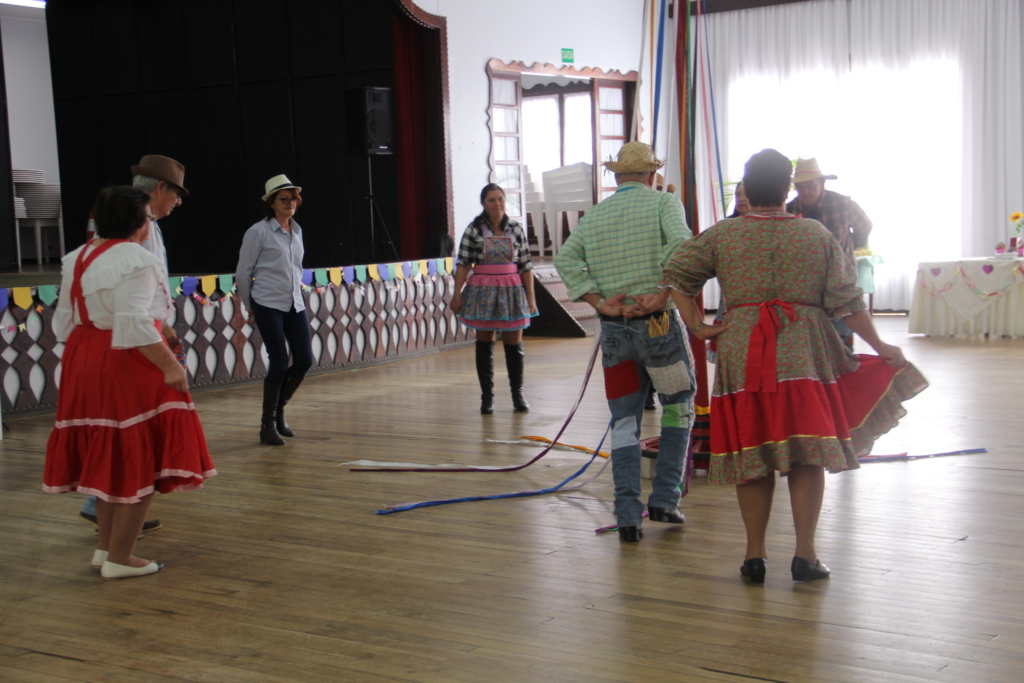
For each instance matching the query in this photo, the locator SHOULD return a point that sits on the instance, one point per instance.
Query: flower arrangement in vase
(1017, 239)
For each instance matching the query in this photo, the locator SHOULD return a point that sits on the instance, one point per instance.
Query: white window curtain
(916, 106)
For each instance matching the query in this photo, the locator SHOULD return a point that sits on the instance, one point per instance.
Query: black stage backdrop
(238, 91)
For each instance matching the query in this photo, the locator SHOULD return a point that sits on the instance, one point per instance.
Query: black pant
(276, 327)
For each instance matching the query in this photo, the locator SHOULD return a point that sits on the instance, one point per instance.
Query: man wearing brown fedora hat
(163, 178)
(613, 261)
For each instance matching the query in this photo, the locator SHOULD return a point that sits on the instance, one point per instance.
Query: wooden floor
(279, 570)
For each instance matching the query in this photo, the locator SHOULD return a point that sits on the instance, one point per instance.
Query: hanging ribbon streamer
(714, 116)
(369, 466)
(657, 75)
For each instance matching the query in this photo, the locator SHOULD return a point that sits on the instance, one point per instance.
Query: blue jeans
(276, 327)
(632, 359)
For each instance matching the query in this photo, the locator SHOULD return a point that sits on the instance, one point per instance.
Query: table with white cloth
(969, 296)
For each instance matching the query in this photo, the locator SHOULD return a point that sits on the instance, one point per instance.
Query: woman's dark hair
(268, 206)
(736, 204)
(482, 219)
(119, 211)
(766, 178)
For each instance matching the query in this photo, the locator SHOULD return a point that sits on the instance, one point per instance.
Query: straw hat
(162, 168)
(635, 157)
(278, 183)
(807, 169)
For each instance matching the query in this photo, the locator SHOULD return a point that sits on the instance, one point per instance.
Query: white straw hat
(278, 183)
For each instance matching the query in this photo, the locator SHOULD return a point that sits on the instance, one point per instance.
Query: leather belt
(622, 319)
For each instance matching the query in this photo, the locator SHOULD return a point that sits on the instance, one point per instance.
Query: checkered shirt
(842, 216)
(622, 244)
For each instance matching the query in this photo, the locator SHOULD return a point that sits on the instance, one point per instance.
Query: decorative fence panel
(357, 315)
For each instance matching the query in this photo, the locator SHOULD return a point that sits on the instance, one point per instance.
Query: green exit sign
(567, 57)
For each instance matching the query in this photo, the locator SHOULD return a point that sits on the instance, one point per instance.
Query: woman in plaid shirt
(497, 298)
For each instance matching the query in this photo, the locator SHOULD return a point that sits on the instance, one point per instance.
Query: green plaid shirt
(622, 244)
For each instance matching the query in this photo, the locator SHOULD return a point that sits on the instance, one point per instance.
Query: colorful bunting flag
(320, 275)
(188, 285)
(349, 274)
(175, 283)
(373, 270)
(307, 277)
(23, 297)
(361, 273)
(424, 268)
(209, 284)
(335, 276)
(47, 293)
(227, 283)
(3, 298)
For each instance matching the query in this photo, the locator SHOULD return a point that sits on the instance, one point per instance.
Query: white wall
(29, 92)
(603, 33)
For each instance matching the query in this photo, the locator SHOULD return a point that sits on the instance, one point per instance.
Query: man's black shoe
(630, 534)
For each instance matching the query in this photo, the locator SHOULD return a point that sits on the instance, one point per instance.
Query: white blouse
(125, 290)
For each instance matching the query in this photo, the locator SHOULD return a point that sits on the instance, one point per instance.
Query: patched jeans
(632, 359)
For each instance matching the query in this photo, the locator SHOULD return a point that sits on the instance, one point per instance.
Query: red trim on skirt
(121, 432)
(799, 408)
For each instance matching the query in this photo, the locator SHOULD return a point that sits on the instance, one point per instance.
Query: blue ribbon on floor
(518, 494)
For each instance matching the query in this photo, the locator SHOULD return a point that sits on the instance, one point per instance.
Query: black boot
(268, 422)
(287, 391)
(485, 373)
(514, 361)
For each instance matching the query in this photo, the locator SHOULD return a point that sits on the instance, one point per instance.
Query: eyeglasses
(287, 200)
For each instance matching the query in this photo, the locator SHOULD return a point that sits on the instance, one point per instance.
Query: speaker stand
(376, 215)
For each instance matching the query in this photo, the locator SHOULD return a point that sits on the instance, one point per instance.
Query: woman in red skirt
(789, 396)
(126, 426)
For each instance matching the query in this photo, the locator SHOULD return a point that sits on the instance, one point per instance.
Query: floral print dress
(787, 391)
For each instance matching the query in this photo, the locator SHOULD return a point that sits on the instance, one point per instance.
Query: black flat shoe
(803, 570)
(754, 569)
(151, 525)
(630, 534)
(670, 515)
